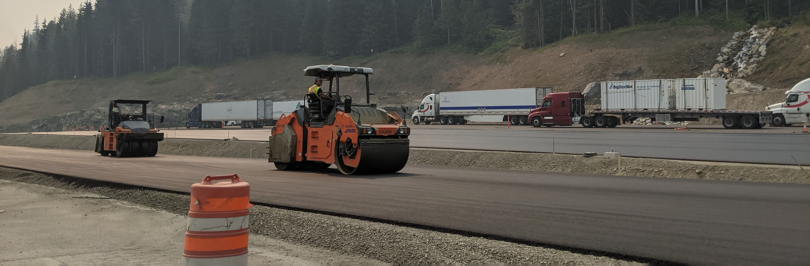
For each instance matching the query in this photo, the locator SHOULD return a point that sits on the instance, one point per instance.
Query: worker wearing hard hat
(328, 101)
(116, 115)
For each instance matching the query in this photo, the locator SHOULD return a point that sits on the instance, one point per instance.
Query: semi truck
(454, 108)
(661, 100)
(250, 114)
(795, 109)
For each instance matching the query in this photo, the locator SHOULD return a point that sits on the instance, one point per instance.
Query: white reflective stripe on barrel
(227, 261)
(217, 224)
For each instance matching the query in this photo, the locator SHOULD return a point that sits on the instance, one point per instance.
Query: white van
(795, 109)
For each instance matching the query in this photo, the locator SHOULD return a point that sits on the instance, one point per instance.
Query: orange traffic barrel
(217, 227)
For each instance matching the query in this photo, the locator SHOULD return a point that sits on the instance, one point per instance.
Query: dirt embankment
(398, 79)
(540, 162)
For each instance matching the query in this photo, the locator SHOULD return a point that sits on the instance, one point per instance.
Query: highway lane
(690, 221)
(706, 143)
(728, 147)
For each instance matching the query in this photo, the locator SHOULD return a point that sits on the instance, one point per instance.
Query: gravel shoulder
(62, 223)
(47, 226)
(542, 162)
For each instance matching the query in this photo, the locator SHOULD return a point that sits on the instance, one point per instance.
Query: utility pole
(179, 26)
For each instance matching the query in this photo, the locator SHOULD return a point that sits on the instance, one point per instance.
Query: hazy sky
(18, 15)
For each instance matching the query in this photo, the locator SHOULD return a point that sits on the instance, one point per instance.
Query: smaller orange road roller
(128, 132)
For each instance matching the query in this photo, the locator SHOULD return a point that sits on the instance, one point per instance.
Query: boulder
(594, 89)
(743, 86)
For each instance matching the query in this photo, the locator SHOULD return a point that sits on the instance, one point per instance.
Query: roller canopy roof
(330, 70)
(132, 101)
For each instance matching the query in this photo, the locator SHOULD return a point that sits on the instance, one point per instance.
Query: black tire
(121, 148)
(462, 121)
(415, 120)
(586, 121)
(749, 122)
(600, 121)
(153, 149)
(731, 122)
(514, 120)
(612, 121)
(187, 125)
(452, 120)
(443, 120)
(778, 121)
(536, 121)
(523, 120)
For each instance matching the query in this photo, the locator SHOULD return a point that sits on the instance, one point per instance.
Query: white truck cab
(427, 108)
(795, 109)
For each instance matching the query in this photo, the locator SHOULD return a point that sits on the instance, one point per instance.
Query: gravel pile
(380, 241)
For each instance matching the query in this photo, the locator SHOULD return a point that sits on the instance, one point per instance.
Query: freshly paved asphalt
(689, 221)
(711, 143)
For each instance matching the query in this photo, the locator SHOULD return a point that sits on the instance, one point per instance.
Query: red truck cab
(558, 109)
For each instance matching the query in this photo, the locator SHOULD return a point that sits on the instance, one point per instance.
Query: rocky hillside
(641, 52)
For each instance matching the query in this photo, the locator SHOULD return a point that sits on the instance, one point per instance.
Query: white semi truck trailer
(456, 107)
(795, 109)
(250, 114)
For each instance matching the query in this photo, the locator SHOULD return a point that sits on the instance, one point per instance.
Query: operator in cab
(117, 118)
(328, 101)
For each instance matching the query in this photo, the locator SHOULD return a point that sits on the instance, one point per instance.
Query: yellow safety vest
(315, 90)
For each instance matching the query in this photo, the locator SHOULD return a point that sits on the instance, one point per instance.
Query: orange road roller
(357, 139)
(128, 130)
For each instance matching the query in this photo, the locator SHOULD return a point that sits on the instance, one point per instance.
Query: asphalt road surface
(726, 147)
(690, 221)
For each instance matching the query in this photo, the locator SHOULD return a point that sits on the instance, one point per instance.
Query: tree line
(111, 38)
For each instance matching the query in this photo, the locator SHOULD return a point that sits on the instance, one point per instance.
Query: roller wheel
(443, 120)
(778, 121)
(153, 149)
(523, 120)
(586, 122)
(600, 121)
(749, 122)
(374, 156)
(730, 122)
(612, 122)
(286, 166)
(415, 120)
(514, 120)
(453, 120)
(536, 122)
(121, 148)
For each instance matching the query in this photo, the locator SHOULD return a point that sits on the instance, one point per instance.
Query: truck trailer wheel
(730, 122)
(514, 120)
(416, 120)
(778, 121)
(523, 120)
(536, 122)
(586, 122)
(600, 121)
(452, 120)
(443, 120)
(462, 121)
(749, 122)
